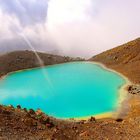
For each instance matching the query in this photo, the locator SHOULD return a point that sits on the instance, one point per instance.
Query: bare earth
(18, 123)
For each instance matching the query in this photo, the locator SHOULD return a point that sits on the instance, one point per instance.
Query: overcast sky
(68, 27)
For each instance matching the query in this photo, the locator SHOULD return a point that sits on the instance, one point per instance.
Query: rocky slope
(20, 60)
(124, 59)
(18, 123)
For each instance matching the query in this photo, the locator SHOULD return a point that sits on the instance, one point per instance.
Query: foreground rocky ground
(21, 124)
(18, 123)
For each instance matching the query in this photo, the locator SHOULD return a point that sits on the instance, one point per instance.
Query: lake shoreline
(123, 97)
(122, 92)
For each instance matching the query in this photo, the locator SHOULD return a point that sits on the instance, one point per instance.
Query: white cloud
(77, 27)
(5, 25)
(85, 34)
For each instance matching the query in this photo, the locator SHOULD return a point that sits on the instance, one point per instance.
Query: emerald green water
(67, 90)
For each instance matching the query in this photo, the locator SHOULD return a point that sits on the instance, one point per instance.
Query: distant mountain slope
(19, 60)
(125, 59)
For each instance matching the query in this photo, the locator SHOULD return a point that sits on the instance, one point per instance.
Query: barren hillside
(125, 59)
(19, 60)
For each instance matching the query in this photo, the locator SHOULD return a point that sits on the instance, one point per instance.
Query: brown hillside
(19, 60)
(125, 59)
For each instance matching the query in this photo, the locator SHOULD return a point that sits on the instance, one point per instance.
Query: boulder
(25, 110)
(92, 119)
(18, 107)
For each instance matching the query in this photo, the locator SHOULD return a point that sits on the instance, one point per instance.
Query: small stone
(74, 127)
(25, 109)
(133, 92)
(18, 107)
(119, 120)
(129, 88)
(92, 119)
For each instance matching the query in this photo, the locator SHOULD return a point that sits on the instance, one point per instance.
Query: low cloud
(76, 28)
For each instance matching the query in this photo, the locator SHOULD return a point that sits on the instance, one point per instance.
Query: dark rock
(74, 127)
(50, 125)
(25, 109)
(92, 119)
(134, 89)
(18, 107)
(129, 88)
(119, 120)
(115, 57)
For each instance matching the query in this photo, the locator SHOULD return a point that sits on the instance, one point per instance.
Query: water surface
(67, 90)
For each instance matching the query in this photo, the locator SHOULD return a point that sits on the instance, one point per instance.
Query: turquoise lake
(68, 90)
